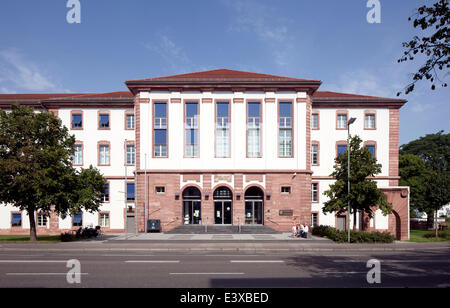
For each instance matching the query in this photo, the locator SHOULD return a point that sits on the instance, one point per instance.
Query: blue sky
(119, 40)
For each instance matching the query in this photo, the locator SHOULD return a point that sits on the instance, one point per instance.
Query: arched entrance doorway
(254, 206)
(192, 206)
(223, 206)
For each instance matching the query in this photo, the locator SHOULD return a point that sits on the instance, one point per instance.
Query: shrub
(442, 234)
(355, 236)
(67, 237)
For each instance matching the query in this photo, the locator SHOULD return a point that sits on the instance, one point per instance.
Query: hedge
(355, 236)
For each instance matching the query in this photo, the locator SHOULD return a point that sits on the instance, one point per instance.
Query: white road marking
(40, 274)
(256, 261)
(33, 261)
(206, 273)
(153, 261)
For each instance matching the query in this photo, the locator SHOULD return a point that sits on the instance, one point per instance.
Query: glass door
(254, 212)
(222, 212)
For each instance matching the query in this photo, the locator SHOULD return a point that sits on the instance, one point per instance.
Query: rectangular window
(315, 154)
(77, 121)
(254, 129)
(77, 220)
(78, 155)
(286, 190)
(222, 129)
(130, 121)
(285, 128)
(104, 155)
(369, 122)
(315, 121)
(131, 154)
(130, 191)
(104, 121)
(371, 149)
(314, 219)
(315, 192)
(104, 220)
(191, 130)
(341, 149)
(16, 220)
(41, 220)
(160, 189)
(105, 195)
(342, 121)
(160, 130)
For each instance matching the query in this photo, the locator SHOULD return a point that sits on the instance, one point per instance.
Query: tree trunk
(33, 233)
(354, 219)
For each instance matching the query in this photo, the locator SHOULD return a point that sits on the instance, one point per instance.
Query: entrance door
(222, 213)
(254, 212)
(192, 206)
(223, 206)
(254, 206)
(130, 228)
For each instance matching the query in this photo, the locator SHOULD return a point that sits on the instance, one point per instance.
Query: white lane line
(40, 274)
(206, 273)
(153, 261)
(256, 261)
(33, 261)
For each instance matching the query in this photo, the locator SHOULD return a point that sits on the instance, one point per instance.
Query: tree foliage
(364, 192)
(36, 171)
(429, 188)
(435, 20)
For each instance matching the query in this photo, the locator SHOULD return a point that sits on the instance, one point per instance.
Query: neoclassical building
(220, 147)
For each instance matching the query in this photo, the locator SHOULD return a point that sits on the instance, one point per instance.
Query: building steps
(215, 229)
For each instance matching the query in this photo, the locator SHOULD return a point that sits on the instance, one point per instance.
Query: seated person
(305, 231)
(302, 229)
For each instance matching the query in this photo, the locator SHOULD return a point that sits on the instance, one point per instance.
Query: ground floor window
(41, 220)
(104, 220)
(77, 220)
(314, 219)
(16, 220)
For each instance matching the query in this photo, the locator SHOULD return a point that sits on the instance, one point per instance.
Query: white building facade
(222, 147)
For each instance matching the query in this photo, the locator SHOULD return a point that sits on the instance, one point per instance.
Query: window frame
(38, 222)
(127, 145)
(128, 113)
(99, 145)
(126, 189)
(154, 102)
(189, 101)
(78, 143)
(279, 102)
(109, 193)
(371, 143)
(312, 192)
(318, 120)
(81, 223)
(99, 114)
(367, 113)
(11, 220)
(100, 219)
(313, 143)
(340, 143)
(217, 101)
(260, 101)
(76, 112)
(338, 113)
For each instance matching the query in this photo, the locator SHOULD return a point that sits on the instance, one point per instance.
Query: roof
(221, 75)
(336, 96)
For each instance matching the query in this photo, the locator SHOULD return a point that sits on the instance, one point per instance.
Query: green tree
(435, 47)
(36, 171)
(414, 173)
(434, 151)
(364, 192)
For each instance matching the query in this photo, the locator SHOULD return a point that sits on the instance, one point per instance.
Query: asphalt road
(203, 269)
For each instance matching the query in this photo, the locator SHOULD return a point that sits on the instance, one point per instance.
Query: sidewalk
(213, 238)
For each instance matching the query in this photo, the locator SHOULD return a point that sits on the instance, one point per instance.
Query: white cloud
(174, 57)
(19, 74)
(267, 24)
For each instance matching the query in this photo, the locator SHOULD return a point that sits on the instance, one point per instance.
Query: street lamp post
(351, 121)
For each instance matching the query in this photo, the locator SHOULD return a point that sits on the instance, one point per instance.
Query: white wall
(238, 159)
